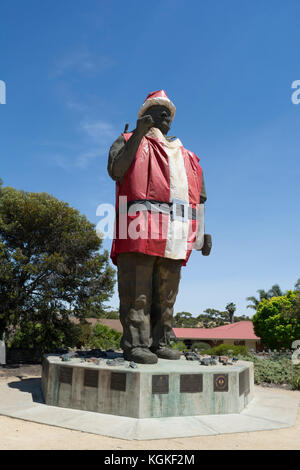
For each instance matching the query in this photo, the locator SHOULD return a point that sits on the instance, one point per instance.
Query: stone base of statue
(168, 388)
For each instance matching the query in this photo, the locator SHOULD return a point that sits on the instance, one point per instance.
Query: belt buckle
(182, 217)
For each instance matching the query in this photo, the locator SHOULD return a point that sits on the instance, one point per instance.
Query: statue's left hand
(206, 249)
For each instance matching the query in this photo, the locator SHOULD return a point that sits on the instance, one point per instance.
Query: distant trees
(210, 318)
(184, 320)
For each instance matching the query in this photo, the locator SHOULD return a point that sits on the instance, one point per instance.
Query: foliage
(85, 334)
(200, 345)
(272, 324)
(179, 345)
(294, 312)
(230, 308)
(275, 291)
(211, 318)
(50, 266)
(184, 320)
(214, 318)
(295, 379)
(280, 370)
(228, 349)
(106, 313)
(60, 333)
(105, 338)
(297, 285)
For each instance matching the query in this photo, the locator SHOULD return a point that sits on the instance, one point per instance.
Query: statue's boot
(140, 356)
(165, 352)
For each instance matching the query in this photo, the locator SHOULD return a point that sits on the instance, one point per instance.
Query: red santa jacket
(162, 172)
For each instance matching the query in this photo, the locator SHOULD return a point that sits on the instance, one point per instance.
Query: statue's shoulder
(192, 155)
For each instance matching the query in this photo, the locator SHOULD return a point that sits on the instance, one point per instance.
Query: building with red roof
(239, 333)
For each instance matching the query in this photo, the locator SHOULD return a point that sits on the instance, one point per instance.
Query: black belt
(178, 210)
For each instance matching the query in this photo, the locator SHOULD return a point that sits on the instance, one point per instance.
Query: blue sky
(77, 71)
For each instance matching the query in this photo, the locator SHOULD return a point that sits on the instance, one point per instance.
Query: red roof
(114, 324)
(238, 331)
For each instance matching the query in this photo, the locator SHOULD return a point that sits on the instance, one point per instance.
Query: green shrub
(179, 345)
(45, 337)
(200, 346)
(228, 349)
(105, 338)
(274, 322)
(295, 377)
(84, 335)
(275, 371)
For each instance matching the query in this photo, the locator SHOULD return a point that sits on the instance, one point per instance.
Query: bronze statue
(163, 188)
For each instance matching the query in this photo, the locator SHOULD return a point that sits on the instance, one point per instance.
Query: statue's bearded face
(161, 117)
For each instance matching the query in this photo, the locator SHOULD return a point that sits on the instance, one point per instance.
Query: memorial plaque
(244, 382)
(160, 384)
(65, 374)
(220, 382)
(118, 381)
(191, 383)
(90, 378)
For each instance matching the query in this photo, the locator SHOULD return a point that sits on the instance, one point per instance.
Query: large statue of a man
(160, 197)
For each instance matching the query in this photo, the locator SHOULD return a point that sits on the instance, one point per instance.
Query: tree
(272, 324)
(297, 285)
(214, 318)
(294, 312)
(241, 318)
(275, 291)
(51, 265)
(231, 308)
(184, 320)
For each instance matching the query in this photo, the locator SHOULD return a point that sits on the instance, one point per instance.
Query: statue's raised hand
(144, 124)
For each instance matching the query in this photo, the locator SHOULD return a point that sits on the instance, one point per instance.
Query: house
(239, 333)
(113, 324)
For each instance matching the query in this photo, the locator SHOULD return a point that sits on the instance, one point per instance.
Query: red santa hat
(157, 97)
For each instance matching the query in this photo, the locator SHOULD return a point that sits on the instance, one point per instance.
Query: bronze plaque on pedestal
(91, 378)
(191, 383)
(65, 374)
(160, 384)
(220, 382)
(118, 381)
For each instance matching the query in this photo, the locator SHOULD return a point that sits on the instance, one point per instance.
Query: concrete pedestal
(165, 389)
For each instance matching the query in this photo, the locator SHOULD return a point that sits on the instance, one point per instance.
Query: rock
(133, 365)
(223, 359)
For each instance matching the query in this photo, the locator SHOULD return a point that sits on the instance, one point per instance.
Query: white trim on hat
(158, 100)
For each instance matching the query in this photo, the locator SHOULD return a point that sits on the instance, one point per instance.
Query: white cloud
(96, 138)
(81, 61)
(99, 131)
(83, 160)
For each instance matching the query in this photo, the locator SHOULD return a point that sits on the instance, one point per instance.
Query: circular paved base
(268, 410)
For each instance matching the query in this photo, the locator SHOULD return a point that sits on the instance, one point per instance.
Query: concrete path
(269, 410)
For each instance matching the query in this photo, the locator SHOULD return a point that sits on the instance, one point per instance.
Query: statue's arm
(116, 152)
(203, 195)
(207, 241)
(122, 153)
